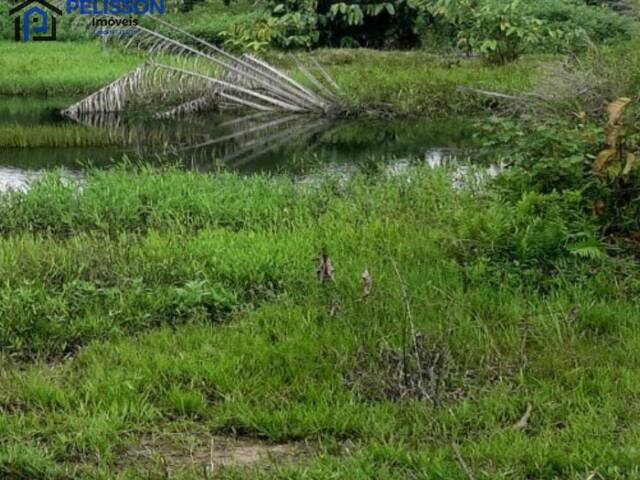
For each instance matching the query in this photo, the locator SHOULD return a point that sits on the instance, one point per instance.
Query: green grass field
(160, 311)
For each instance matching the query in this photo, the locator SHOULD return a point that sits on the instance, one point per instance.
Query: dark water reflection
(246, 142)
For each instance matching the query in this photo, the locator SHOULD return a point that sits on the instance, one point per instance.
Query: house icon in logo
(35, 16)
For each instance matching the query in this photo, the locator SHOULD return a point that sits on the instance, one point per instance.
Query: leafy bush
(370, 24)
(551, 226)
(242, 36)
(500, 31)
(573, 22)
(295, 30)
(551, 154)
(310, 23)
(291, 30)
(563, 155)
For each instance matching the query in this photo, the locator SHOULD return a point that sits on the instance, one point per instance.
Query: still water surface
(34, 138)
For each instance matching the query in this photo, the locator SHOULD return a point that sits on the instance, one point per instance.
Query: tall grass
(207, 20)
(164, 303)
(111, 202)
(417, 82)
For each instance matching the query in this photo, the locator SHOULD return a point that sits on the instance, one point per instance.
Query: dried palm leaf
(189, 75)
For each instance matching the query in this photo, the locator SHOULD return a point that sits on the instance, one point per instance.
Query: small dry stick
(334, 308)
(367, 283)
(461, 461)
(524, 421)
(325, 267)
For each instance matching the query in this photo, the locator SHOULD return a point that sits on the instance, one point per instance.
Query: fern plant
(590, 248)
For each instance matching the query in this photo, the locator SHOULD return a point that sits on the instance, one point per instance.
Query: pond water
(34, 138)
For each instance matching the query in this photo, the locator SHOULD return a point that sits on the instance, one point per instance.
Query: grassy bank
(402, 82)
(158, 312)
(420, 83)
(42, 68)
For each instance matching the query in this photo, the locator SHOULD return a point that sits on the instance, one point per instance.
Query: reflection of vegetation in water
(371, 145)
(449, 132)
(30, 110)
(12, 135)
(251, 141)
(291, 144)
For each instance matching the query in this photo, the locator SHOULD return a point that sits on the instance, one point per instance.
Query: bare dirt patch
(178, 451)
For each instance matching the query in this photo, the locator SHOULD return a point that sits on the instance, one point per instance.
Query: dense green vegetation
(476, 321)
(247, 339)
(560, 25)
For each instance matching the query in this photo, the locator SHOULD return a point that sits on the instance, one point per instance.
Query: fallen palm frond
(185, 74)
(110, 98)
(200, 104)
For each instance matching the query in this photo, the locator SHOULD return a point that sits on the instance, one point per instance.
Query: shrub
(370, 24)
(310, 23)
(557, 155)
(291, 30)
(572, 21)
(499, 31)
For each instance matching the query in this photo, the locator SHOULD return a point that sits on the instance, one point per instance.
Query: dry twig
(462, 463)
